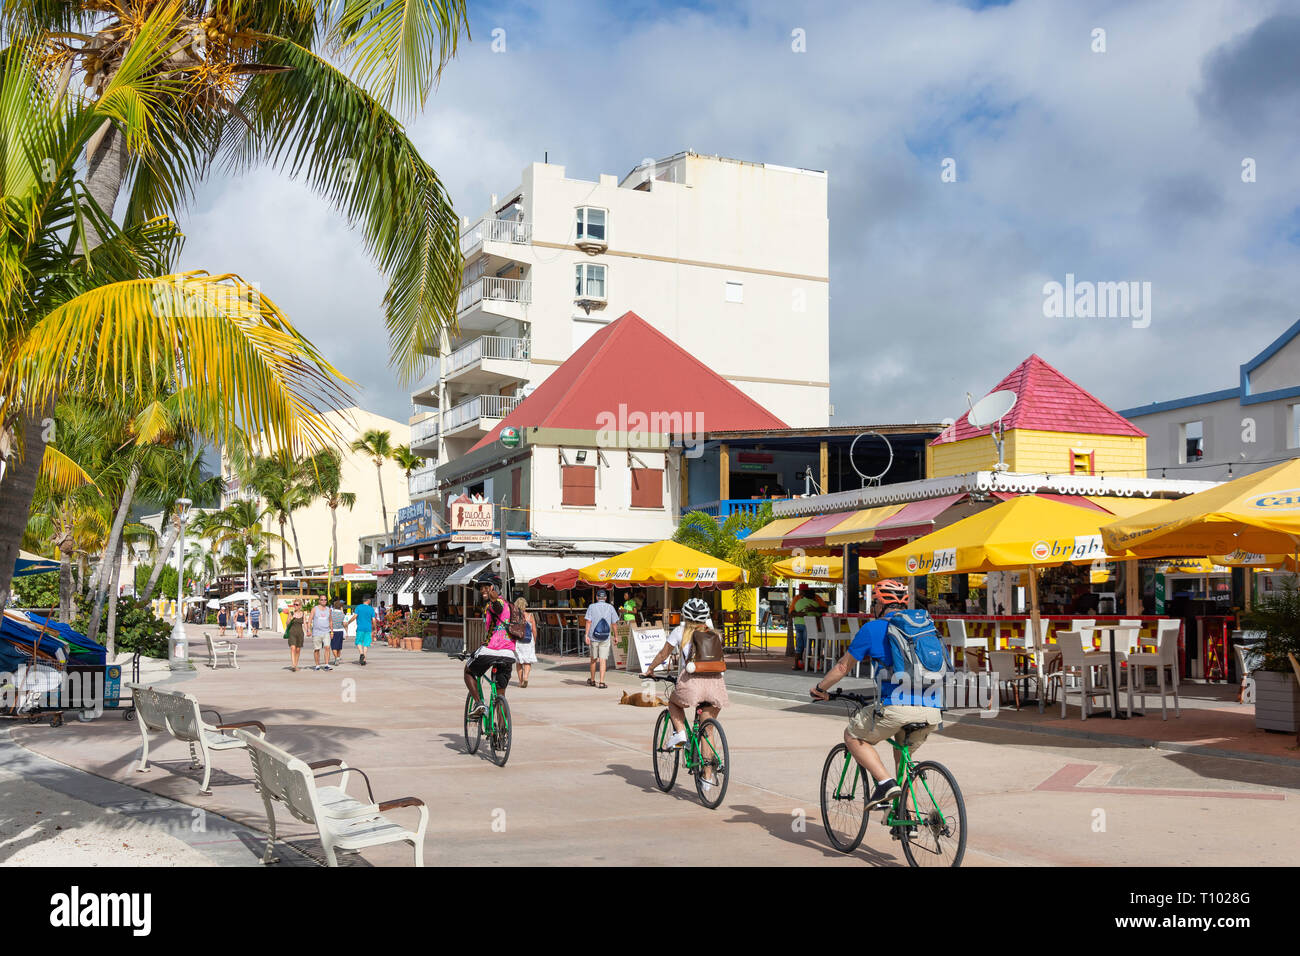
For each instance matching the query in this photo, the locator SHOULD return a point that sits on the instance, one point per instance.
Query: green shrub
(137, 627)
(1278, 616)
(37, 590)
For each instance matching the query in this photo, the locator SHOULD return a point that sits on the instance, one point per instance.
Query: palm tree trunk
(110, 645)
(112, 553)
(104, 176)
(65, 586)
(16, 500)
(296, 549)
(334, 532)
(169, 542)
(379, 476)
(284, 558)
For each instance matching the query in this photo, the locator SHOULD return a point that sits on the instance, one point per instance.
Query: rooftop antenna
(988, 413)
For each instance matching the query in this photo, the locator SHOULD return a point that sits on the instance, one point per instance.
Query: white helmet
(696, 610)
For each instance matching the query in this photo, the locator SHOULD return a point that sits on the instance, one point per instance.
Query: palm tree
(407, 460)
(378, 445)
(326, 469)
(724, 540)
(181, 476)
(285, 484)
(70, 322)
(243, 84)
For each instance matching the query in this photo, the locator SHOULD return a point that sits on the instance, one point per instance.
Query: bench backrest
(282, 777)
(212, 647)
(159, 710)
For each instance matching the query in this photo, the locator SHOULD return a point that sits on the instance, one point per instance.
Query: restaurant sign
(415, 523)
(472, 515)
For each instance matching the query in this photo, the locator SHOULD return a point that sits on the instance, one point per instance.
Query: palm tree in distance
(326, 469)
(378, 445)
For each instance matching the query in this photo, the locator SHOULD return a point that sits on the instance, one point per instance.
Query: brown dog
(641, 700)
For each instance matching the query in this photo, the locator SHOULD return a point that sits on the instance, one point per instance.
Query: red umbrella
(565, 580)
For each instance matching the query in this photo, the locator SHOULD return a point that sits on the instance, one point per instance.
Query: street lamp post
(248, 577)
(178, 649)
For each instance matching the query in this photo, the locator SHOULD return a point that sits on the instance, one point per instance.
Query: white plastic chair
(813, 630)
(1165, 658)
(1085, 664)
(956, 638)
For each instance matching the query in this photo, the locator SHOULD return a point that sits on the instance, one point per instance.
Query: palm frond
(61, 472)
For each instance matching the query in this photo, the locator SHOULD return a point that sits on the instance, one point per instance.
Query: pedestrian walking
(255, 618)
(365, 616)
(241, 621)
(525, 647)
(602, 619)
(319, 622)
(223, 621)
(293, 634)
(338, 630)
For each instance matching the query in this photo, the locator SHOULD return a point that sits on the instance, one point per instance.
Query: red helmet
(890, 592)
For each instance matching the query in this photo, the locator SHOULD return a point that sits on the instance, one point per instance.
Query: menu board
(645, 645)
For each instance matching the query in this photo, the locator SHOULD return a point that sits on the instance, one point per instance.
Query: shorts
(865, 725)
(600, 649)
(319, 642)
(502, 664)
(363, 638)
(694, 690)
(336, 642)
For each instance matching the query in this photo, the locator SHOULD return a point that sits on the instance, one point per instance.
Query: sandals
(602, 686)
(590, 682)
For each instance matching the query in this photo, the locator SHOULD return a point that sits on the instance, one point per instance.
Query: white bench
(179, 716)
(228, 648)
(343, 822)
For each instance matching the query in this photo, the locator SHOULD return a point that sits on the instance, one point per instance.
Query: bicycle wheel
(665, 758)
(473, 726)
(932, 801)
(715, 764)
(499, 739)
(845, 788)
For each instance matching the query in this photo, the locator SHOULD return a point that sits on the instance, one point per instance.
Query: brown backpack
(707, 656)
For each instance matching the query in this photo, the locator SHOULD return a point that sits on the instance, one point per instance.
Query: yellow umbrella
(823, 569)
(1258, 513)
(1022, 532)
(664, 563)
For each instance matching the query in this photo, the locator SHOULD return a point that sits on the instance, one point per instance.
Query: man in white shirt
(602, 621)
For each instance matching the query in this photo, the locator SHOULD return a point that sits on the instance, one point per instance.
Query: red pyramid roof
(1048, 401)
(631, 363)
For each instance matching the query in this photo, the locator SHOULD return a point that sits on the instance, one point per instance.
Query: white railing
(480, 406)
(495, 290)
(488, 347)
(496, 230)
(425, 431)
(423, 480)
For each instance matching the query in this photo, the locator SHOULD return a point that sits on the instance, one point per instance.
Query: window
(1082, 461)
(735, 291)
(1191, 442)
(647, 487)
(1293, 426)
(591, 224)
(590, 281)
(579, 485)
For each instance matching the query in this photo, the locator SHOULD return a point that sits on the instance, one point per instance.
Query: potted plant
(1277, 691)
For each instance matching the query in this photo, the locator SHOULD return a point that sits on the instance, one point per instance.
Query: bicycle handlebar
(668, 678)
(837, 694)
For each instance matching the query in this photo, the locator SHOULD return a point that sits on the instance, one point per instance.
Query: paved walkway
(579, 787)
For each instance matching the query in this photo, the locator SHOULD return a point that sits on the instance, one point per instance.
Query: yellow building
(1055, 428)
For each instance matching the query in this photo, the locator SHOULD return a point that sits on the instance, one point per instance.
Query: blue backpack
(600, 632)
(920, 660)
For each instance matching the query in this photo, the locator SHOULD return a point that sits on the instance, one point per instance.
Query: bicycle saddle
(913, 728)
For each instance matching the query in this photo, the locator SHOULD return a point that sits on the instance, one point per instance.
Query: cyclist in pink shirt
(498, 652)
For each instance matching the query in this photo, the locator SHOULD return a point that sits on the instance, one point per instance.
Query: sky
(976, 152)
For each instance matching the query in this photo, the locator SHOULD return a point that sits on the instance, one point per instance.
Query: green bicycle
(494, 723)
(929, 817)
(705, 752)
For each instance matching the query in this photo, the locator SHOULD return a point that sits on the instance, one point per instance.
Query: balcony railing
(728, 506)
(480, 406)
(495, 290)
(425, 431)
(488, 347)
(423, 480)
(495, 230)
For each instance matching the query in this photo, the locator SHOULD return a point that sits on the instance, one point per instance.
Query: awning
(525, 567)
(915, 518)
(430, 581)
(466, 574)
(860, 525)
(393, 582)
(770, 536)
(812, 533)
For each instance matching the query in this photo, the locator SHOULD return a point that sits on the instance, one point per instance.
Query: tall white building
(729, 259)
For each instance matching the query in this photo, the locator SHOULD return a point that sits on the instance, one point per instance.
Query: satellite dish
(992, 408)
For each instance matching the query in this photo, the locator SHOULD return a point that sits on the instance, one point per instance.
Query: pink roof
(1048, 401)
(630, 367)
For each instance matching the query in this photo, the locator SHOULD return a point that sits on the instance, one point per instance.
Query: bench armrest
(209, 710)
(244, 723)
(401, 802)
(331, 762)
(369, 791)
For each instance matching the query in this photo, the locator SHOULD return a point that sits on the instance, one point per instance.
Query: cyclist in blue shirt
(896, 706)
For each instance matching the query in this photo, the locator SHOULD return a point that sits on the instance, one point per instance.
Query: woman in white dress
(525, 650)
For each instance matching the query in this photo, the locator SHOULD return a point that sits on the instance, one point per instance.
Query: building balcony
(476, 416)
(488, 361)
(499, 237)
(725, 508)
(425, 398)
(423, 481)
(424, 437)
(486, 301)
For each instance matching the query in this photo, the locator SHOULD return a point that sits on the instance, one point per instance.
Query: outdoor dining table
(1110, 632)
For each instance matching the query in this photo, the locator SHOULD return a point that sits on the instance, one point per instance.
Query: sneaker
(798, 665)
(363, 662)
(315, 667)
(677, 740)
(884, 791)
(478, 711)
(707, 786)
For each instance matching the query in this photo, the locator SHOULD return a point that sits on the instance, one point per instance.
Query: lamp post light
(248, 577)
(178, 649)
